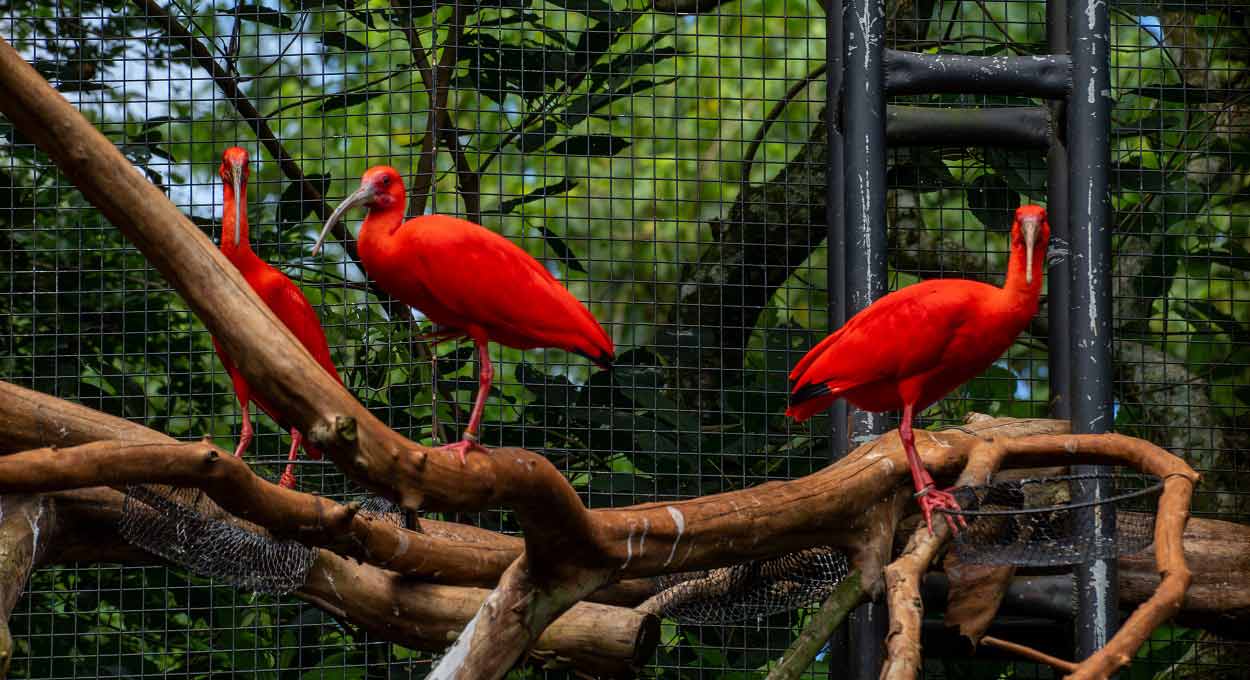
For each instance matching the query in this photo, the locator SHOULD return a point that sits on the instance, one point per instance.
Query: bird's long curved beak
(361, 195)
(236, 181)
(1030, 226)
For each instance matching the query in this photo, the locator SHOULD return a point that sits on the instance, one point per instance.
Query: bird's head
(234, 171)
(381, 187)
(1030, 230)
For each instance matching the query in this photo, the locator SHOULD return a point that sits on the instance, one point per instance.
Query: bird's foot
(238, 450)
(287, 481)
(931, 499)
(463, 447)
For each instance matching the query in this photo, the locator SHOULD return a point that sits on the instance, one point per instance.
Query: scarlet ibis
(277, 291)
(469, 281)
(915, 345)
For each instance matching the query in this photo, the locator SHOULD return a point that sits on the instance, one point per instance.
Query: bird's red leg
(485, 375)
(288, 475)
(245, 437)
(927, 496)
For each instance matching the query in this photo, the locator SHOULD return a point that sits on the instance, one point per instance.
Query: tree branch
(24, 519)
(595, 639)
(833, 611)
(437, 80)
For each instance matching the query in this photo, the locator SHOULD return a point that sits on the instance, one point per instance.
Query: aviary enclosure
(722, 183)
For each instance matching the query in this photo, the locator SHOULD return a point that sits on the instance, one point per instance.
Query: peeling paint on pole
(1089, 155)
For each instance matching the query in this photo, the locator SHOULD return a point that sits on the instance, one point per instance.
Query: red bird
(277, 291)
(914, 346)
(469, 281)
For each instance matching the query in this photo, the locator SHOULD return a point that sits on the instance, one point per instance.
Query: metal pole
(835, 216)
(1059, 277)
(863, 129)
(1089, 116)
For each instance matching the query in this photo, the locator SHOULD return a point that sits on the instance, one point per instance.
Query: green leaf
(1237, 331)
(1185, 94)
(627, 64)
(342, 41)
(537, 194)
(1231, 254)
(920, 168)
(599, 10)
(292, 207)
(1024, 171)
(591, 145)
(264, 15)
(553, 391)
(563, 251)
(343, 100)
(582, 107)
(993, 202)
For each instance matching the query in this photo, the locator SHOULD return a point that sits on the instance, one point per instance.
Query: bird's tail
(808, 400)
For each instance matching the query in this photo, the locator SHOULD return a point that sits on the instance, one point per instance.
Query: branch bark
(24, 519)
(439, 127)
(833, 611)
(81, 526)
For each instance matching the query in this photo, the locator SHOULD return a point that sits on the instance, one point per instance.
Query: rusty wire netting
(666, 160)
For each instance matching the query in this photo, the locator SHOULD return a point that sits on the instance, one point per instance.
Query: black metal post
(835, 215)
(1089, 128)
(1060, 273)
(863, 129)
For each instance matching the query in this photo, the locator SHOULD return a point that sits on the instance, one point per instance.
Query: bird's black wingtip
(602, 360)
(809, 392)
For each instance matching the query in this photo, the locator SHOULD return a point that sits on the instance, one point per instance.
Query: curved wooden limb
(904, 575)
(23, 519)
(1029, 653)
(81, 526)
(100, 448)
(285, 513)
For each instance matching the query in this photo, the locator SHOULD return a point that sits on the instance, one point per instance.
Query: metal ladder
(1074, 130)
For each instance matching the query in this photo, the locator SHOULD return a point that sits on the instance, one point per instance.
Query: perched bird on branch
(278, 292)
(914, 346)
(469, 281)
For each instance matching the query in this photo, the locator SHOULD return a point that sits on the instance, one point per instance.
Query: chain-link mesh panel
(185, 527)
(1035, 523)
(751, 591)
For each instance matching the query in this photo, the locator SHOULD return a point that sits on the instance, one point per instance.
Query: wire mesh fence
(666, 161)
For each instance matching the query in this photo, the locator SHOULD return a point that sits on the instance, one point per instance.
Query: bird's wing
(289, 304)
(489, 281)
(904, 333)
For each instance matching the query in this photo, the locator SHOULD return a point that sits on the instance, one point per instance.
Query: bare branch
(1030, 654)
(592, 638)
(24, 519)
(439, 127)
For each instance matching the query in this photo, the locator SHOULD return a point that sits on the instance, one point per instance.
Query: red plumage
(469, 280)
(278, 292)
(914, 346)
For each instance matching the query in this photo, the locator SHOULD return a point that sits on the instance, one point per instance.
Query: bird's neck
(377, 229)
(229, 226)
(1018, 292)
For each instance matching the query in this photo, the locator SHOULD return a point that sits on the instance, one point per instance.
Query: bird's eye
(386, 180)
